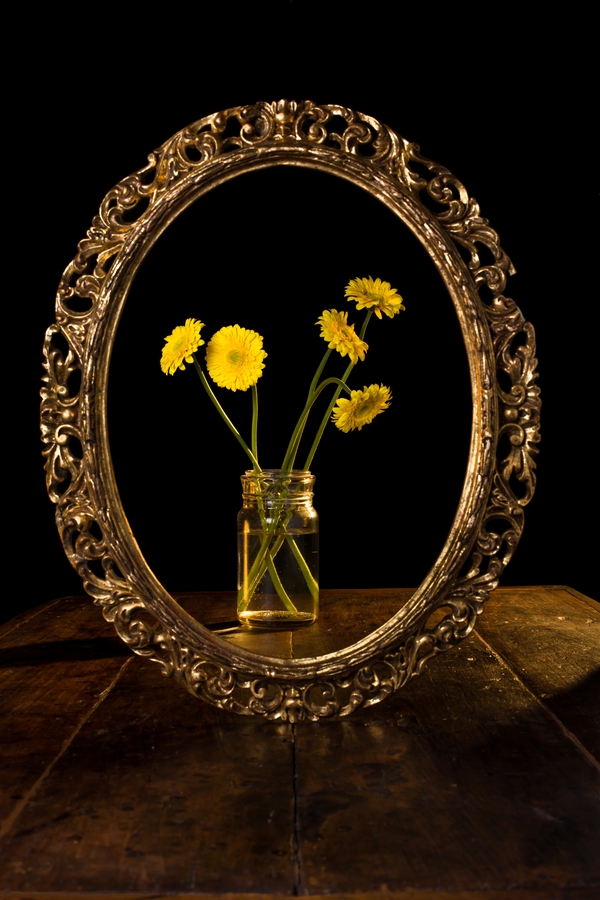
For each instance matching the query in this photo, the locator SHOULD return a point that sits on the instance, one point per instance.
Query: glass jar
(278, 550)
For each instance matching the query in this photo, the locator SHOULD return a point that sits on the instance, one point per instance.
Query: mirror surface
(270, 250)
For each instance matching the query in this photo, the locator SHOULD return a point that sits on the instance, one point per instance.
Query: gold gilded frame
(80, 479)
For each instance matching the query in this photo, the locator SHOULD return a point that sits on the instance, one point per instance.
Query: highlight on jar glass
(278, 534)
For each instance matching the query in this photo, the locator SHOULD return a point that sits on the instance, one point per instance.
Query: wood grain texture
(465, 784)
(345, 617)
(54, 665)
(461, 782)
(551, 640)
(536, 894)
(155, 792)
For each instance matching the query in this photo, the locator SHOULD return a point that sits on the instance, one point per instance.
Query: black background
(271, 250)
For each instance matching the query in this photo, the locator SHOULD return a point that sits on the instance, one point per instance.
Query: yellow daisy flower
(361, 408)
(180, 345)
(234, 357)
(340, 335)
(378, 294)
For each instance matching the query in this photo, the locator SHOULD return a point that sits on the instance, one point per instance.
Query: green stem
(363, 330)
(309, 401)
(281, 592)
(254, 422)
(225, 417)
(308, 576)
(325, 420)
(257, 570)
(318, 373)
(264, 554)
(337, 393)
(252, 454)
(265, 560)
(292, 449)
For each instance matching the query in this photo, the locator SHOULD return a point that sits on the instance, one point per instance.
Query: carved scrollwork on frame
(500, 347)
(513, 480)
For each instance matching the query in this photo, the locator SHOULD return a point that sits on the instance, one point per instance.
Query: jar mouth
(295, 484)
(274, 473)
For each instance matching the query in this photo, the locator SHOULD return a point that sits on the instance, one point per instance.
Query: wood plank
(583, 597)
(550, 638)
(160, 792)
(22, 618)
(215, 609)
(344, 618)
(460, 782)
(574, 893)
(55, 665)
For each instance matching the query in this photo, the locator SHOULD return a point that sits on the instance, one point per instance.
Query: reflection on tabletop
(345, 617)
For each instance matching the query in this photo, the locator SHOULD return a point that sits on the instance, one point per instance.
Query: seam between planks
(20, 806)
(567, 733)
(587, 601)
(296, 860)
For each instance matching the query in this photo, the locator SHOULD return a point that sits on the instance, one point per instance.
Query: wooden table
(480, 779)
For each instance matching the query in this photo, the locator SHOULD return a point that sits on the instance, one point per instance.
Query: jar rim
(299, 483)
(274, 473)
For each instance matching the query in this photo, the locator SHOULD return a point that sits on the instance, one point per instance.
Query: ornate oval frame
(489, 519)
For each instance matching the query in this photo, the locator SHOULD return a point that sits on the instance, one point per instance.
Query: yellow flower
(340, 335)
(234, 357)
(378, 294)
(180, 345)
(361, 408)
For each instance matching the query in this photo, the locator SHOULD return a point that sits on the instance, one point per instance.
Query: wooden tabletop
(479, 779)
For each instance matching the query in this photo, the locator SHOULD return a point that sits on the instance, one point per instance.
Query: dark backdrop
(270, 251)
